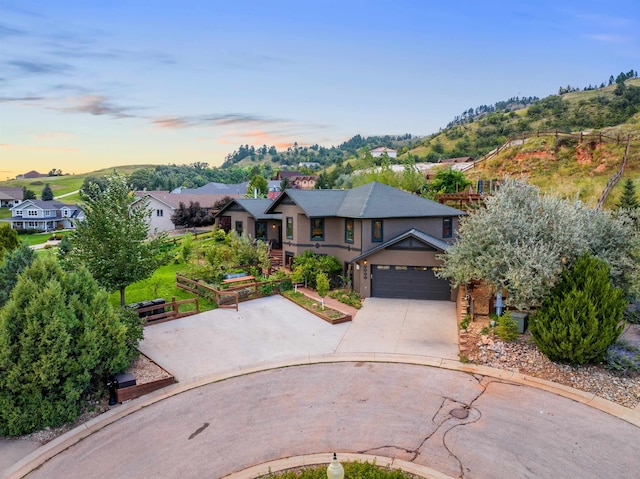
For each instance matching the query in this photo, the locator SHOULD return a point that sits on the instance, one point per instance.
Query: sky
(86, 85)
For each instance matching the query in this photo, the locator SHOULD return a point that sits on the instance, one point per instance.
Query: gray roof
(174, 199)
(214, 188)
(373, 200)
(419, 235)
(46, 205)
(255, 207)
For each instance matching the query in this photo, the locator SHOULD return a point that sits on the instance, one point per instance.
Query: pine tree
(582, 316)
(629, 200)
(59, 339)
(47, 193)
(12, 265)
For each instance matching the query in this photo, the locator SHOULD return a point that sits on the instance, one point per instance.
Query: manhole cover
(459, 413)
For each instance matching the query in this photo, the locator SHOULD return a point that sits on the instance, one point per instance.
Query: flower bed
(315, 307)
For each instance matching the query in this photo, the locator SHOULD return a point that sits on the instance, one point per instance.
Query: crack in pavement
(441, 418)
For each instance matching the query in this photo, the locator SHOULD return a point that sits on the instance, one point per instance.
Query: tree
(285, 183)
(258, 185)
(192, 215)
(582, 316)
(629, 200)
(86, 189)
(112, 239)
(322, 286)
(448, 181)
(8, 239)
(59, 340)
(523, 240)
(47, 194)
(28, 194)
(13, 263)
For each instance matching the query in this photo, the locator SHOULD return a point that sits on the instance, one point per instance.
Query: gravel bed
(524, 356)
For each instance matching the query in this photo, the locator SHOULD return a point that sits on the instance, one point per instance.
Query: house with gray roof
(44, 215)
(248, 215)
(10, 196)
(388, 240)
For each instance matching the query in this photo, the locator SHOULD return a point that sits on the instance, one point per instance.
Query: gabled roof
(11, 193)
(412, 233)
(373, 200)
(255, 207)
(173, 200)
(45, 205)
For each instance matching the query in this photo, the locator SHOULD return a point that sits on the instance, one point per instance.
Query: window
(348, 231)
(261, 230)
(447, 230)
(376, 231)
(159, 213)
(289, 231)
(317, 229)
(239, 228)
(32, 213)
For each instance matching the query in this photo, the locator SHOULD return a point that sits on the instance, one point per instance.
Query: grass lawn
(362, 470)
(39, 238)
(5, 213)
(161, 285)
(312, 304)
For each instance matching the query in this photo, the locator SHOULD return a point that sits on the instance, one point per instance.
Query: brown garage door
(408, 282)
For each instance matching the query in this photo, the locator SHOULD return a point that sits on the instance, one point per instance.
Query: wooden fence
(159, 313)
(520, 138)
(613, 181)
(249, 288)
(223, 298)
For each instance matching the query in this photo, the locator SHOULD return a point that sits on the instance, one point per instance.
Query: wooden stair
(276, 258)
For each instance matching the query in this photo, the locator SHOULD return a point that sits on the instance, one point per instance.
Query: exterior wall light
(335, 469)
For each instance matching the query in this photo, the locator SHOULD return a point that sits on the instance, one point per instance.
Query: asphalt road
(395, 410)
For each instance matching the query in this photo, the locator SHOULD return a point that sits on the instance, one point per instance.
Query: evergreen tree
(629, 200)
(13, 263)
(582, 316)
(112, 240)
(28, 194)
(8, 239)
(59, 340)
(47, 194)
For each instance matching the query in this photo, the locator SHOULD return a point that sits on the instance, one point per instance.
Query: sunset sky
(86, 85)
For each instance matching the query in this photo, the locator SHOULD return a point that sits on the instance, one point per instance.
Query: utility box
(521, 319)
(125, 380)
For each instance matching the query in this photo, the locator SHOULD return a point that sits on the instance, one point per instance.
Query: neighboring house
(10, 196)
(309, 164)
(387, 239)
(30, 174)
(233, 190)
(44, 215)
(297, 179)
(163, 204)
(378, 152)
(247, 215)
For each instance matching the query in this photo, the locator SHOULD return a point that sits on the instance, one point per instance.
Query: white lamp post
(335, 469)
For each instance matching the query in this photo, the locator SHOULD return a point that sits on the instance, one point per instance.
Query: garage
(408, 282)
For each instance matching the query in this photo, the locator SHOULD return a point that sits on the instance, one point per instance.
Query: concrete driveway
(274, 329)
(403, 326)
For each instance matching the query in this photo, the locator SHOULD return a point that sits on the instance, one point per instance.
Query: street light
(335, 469)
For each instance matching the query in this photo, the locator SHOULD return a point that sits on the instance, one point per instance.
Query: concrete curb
(51, 449)
(325, 458)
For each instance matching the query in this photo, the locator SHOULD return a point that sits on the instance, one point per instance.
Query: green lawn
(5, 213)
(39, 238)
(161, 285)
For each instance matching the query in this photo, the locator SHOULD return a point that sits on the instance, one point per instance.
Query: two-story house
(44, 215)
(386, 238)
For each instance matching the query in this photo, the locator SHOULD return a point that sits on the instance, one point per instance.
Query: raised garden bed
(315, 307)
(149, 377)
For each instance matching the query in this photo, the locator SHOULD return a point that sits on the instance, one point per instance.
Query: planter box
(133, 392)
(318, 313)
